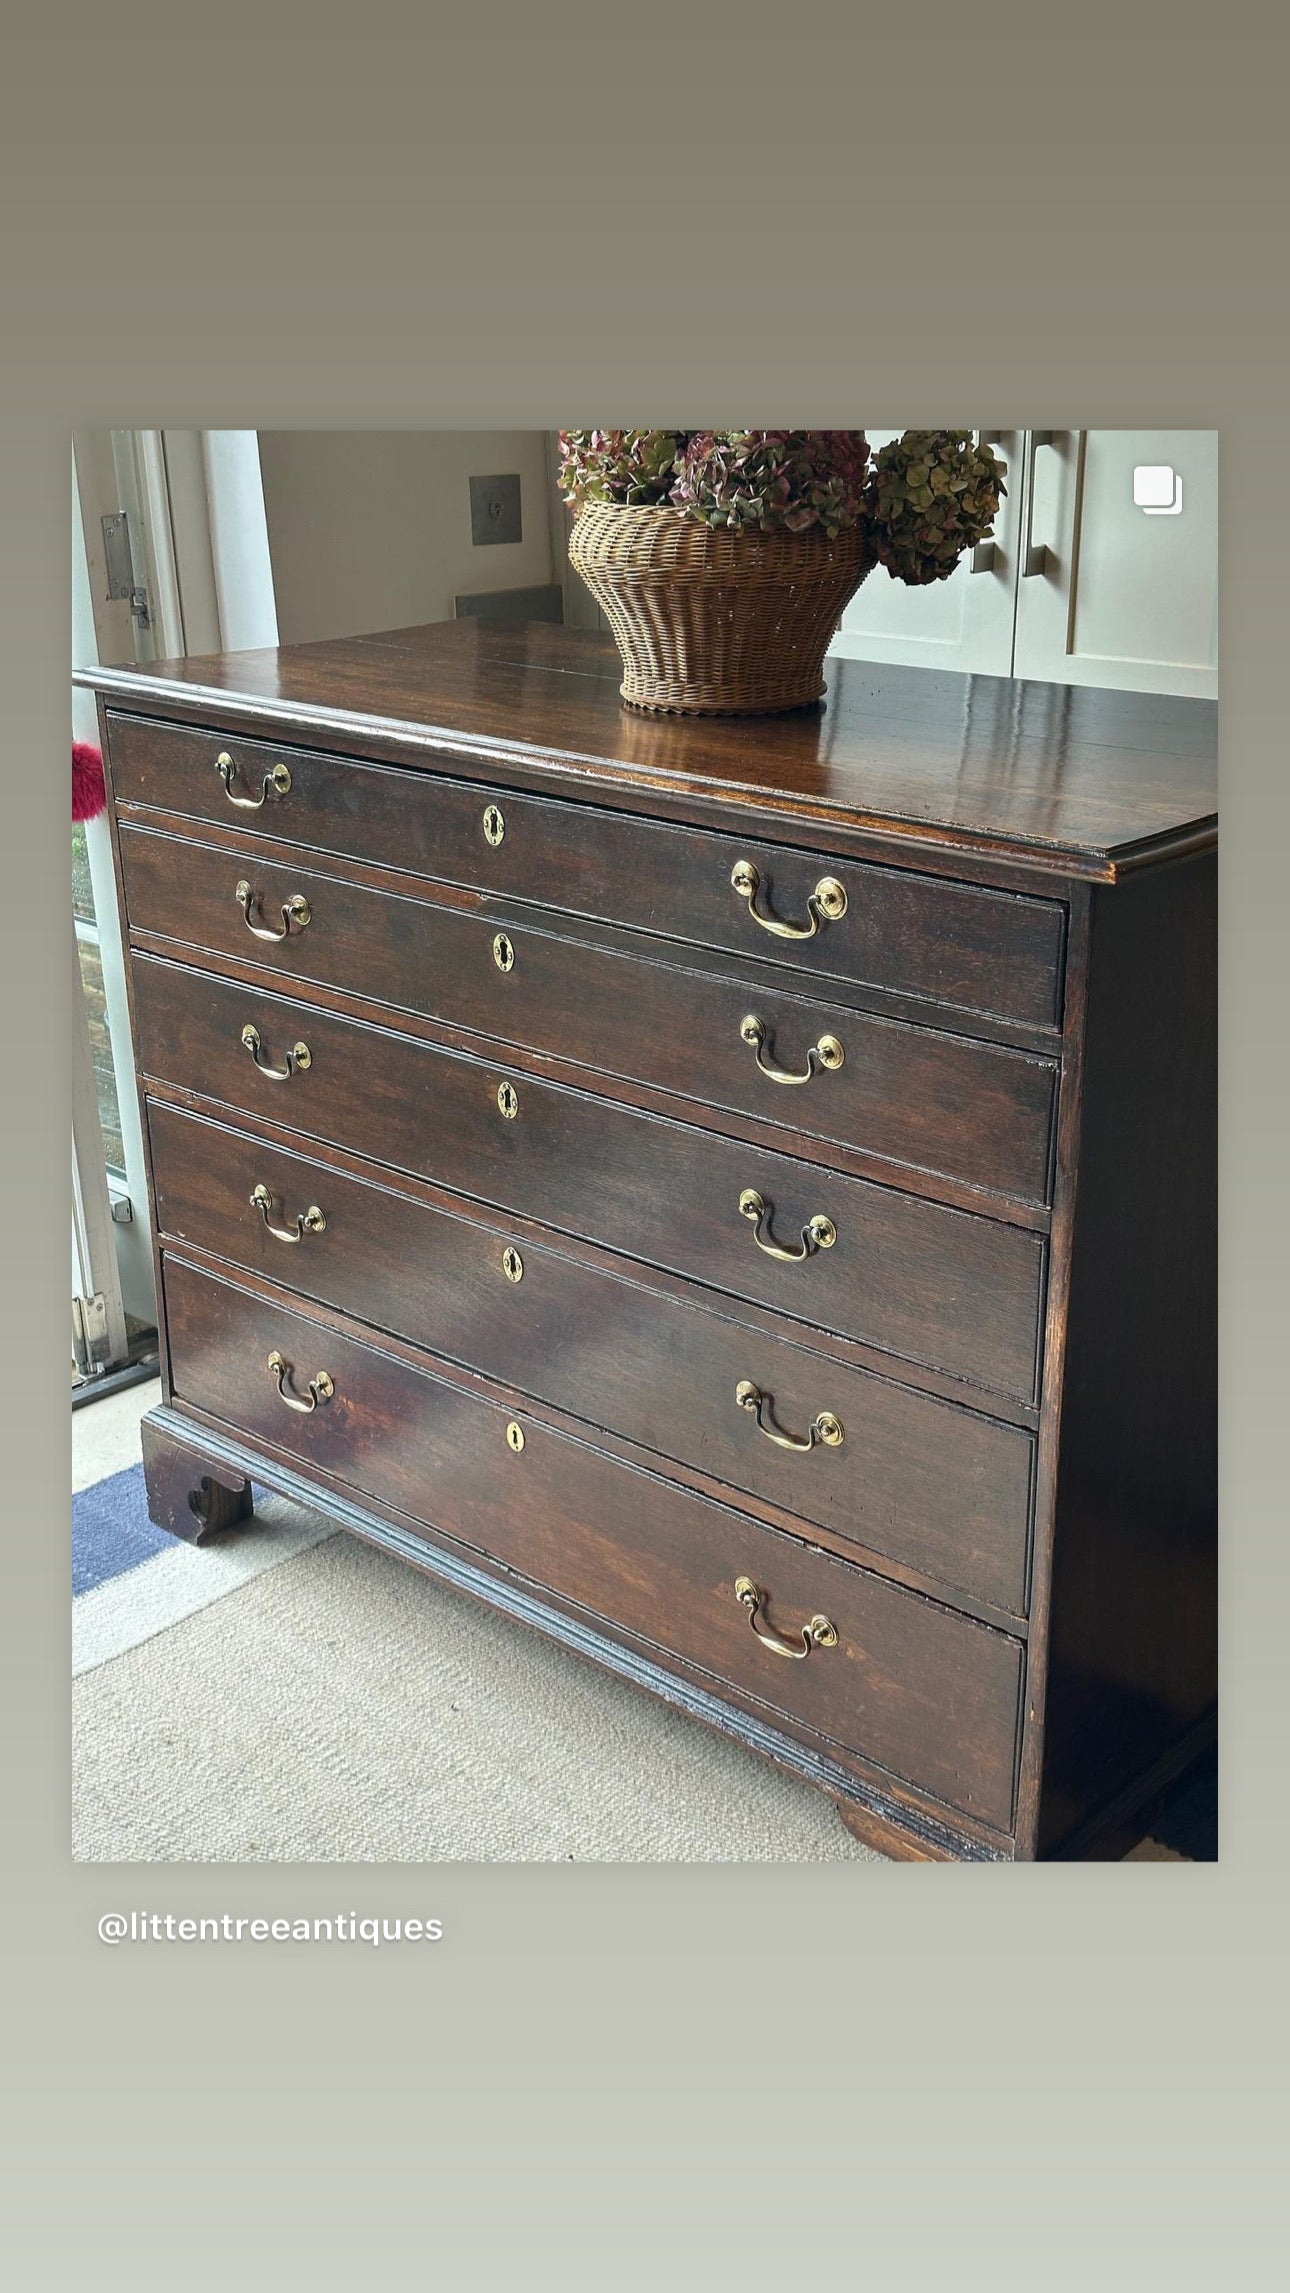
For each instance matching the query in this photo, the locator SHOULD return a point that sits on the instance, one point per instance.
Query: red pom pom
(89, 795)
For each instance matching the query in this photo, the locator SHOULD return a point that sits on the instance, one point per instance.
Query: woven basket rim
(669, 510)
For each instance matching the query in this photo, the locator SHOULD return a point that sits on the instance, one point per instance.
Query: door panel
(1115, 592)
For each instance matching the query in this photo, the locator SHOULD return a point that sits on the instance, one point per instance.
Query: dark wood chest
(738, 1196)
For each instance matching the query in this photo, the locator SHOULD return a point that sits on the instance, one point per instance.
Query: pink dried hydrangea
(631, 466)
(774, 479)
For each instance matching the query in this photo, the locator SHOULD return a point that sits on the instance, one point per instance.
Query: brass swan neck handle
(319, 1388)
(826, 904)
(827, 1053)
(298, 1057)
(819, 1233)
(825, 1427)
(295, 911)
(309, 1221)
(819, 1633)
(278, 780)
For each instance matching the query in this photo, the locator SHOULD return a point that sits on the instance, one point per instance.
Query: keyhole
(508, 1099)
(503, 953)
(512, 1265)
(494, 824)
(515, 1437)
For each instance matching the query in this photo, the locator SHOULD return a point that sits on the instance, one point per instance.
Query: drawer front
(915, 1479)
(934, 1285)
(928, 1695)
(937, 1103)
(980, 950)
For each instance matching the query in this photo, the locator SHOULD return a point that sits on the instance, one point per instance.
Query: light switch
(495, 510)
(1157, 489)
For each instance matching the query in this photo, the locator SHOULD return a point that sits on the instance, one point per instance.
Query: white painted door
(1119, 575)
(1104, 571)
(964, 623)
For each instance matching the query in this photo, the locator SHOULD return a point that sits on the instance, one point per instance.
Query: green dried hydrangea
(932, 495)
(631, 466)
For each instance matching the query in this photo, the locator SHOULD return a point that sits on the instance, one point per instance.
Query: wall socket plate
(495, 510)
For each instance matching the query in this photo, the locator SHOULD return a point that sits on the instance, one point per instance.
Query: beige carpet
(344, 1709)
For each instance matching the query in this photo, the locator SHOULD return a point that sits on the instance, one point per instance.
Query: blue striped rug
(111, 1531)
(131, 1580)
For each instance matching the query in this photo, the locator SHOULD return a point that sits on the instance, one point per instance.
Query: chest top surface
(1092, 782)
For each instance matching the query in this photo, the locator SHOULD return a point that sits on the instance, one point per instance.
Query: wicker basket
(716, 620)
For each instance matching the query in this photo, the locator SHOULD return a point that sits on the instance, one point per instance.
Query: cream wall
(370, 529)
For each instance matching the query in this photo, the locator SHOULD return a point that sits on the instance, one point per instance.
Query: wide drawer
(903, 1475)
(933, 1285)
(959, 944)
(945, 1104)
(930, 1696)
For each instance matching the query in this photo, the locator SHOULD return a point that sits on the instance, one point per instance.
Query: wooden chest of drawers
(738, 1196)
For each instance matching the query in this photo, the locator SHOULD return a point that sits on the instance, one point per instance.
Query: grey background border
(1046, 2077)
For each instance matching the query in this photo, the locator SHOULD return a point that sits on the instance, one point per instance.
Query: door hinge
(90, 1334)
(119, 559)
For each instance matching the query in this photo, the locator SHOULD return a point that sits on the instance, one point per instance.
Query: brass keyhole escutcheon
(508, 1100)
(503, 953)
(515, 1437)
(494, 824)
(512, 1265)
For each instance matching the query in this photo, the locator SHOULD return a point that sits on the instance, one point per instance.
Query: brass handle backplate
(827, 1053)
(819, 1633)
(825, 1427)
(298, 1057)
(319, 1388)
(826, 904)
(819, 1233)
(295, 911)
(279, 780)
(309, 1221)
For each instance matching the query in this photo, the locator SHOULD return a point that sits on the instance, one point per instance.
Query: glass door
(113, 1299)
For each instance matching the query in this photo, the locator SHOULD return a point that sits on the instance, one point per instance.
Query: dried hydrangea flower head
(921, 501)
(629, 466)
(774, 479)
(933, 494)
